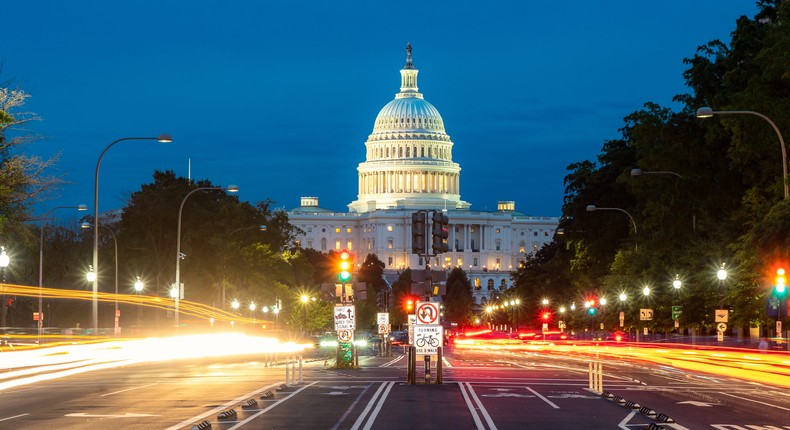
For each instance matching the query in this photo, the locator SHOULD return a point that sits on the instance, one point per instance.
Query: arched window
(522, 247)
(323, 244)
(490, 284)
(498, 245)
(503, 284)
(400, 152)
(407, 152)
(477, 284)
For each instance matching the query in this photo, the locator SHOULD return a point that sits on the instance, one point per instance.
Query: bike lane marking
(350, 408)
(475, 416)
(378, 397)
(540, 396)
(480, 406)
(15, 416)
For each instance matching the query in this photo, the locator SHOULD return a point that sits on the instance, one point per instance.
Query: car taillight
(618, 338)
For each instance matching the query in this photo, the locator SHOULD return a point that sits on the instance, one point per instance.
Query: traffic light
(591, 307)
(439, 232)
(409, 305)
(418, 233)
(780, 286)
(545, 316)
(344, 267)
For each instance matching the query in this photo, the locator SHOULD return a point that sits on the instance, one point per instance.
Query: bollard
(439, 365)
(301, 361)
(411, 377)
(596, 376)
(287, 372)
(427, 369)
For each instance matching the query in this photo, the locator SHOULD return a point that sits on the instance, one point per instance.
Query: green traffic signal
(592, 311)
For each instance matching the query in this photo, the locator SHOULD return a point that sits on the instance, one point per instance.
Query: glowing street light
(91, 275)
(623, 297)
(646, 291)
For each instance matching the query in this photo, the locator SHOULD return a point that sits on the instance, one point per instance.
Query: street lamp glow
(623, 297)
(646, 290)
(676, 283)
(235, 304)
(276, 310)
(5, 260)
(721, 273)
(252, 306)
(562, 309)
(603, 300)
(174, 293)
(265, 309)
(545, 302)
(305, 298)
(91, 275)
(138, 285)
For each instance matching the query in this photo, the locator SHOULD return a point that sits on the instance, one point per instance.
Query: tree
(458, 300)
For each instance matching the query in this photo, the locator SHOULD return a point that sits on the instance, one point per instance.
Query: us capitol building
(409, 166)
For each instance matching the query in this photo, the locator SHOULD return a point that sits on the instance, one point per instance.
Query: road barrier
(202, 425)
(411, 368)
(596, 377)
(227, 414)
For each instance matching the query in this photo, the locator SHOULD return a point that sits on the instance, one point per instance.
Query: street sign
(677, 324)
(720, 336)
(345, 335)
(779, 328)
(722, 315)
(645, 314)
(622, 319)
(345, 318)
(384, 328)
(676, 312)
(383, 318)
(721, 327)
(40, 317)
(427, 313)
(645, 331)
(428, 339)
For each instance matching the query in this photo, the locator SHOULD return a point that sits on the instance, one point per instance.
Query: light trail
(36, 365)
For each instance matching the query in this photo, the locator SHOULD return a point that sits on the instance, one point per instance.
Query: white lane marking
(369, 406)
(475, 417)
(393, 361)
(128, 389)
(379, 404)
(351, 407)
(446, 363)
(218, 409)
(483, 410)
(542, 398)
(756, 401)
(15, 416)
(625, 420)
(252, 417)
(126, 415)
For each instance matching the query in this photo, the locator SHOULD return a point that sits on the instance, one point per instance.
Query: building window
(498, 230)
(534, 233)
(323, 230)
(389, 261)
(448, 262)
(348, 230)
(348, 247)
(420, 262)
(298, 243)
(323, 244)
(337, 245)
(477, 284)
(498, 245)
(503, 284)
(310, 244)
(474, 262)
(309, 229)
(337, 229)
(535, 247)
(522, 247)
(460, 262)
(389, 228)
(490, 284)
(472, 229)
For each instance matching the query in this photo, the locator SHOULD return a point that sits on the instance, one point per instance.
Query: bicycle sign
(428, 339)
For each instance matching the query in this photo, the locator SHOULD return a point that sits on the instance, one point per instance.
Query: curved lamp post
(707, 112)
(639, 172)
(593, 208)
(41, 264)
(177, 297)
(95, 316)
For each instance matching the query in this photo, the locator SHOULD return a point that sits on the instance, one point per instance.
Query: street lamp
(41, 265)
(646, 291)
(235, 305)
(593, 208)
(639, 172)
(91, 275)
(116, 326)
(721, 274)
(707, 112)
(95, 316)
(230, 189)
(138, 288)
(5, 260)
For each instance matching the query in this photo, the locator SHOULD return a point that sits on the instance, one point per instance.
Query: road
(482, 390)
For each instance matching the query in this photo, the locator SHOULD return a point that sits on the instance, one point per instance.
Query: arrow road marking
(336, 393)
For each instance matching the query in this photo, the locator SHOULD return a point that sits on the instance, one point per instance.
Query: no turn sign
(345, 335)
(427, 313)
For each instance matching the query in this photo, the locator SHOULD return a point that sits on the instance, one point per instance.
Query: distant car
(399, 338)
(618, 336)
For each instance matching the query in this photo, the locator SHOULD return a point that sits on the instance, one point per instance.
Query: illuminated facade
(408, 166)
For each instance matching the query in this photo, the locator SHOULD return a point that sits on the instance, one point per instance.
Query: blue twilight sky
(279, 97)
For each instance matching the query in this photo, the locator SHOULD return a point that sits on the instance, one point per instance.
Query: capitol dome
(409, 155)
